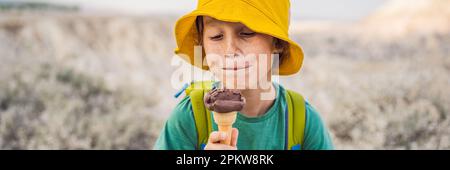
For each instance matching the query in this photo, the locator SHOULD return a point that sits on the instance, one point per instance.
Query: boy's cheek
(212, 61)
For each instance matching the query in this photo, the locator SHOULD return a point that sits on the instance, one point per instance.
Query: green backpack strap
(202, 116)
(295, 120)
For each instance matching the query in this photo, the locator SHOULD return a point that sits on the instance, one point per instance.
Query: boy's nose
(232, 48)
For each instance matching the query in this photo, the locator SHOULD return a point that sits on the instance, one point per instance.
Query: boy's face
(237, 55)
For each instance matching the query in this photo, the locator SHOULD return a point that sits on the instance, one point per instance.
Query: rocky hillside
(399, 17)
(83, 81)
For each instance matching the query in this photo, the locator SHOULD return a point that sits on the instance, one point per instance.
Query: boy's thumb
(234, 137)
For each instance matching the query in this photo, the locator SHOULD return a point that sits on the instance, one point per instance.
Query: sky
(300, 9)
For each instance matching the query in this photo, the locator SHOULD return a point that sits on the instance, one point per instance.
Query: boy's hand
(215, 138)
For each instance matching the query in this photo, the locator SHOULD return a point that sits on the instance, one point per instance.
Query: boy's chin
(239, 83)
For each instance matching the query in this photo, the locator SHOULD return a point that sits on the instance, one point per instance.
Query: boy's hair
(282, 45)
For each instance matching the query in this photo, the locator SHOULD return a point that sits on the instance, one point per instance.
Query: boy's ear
(278, 50)
(278, 45)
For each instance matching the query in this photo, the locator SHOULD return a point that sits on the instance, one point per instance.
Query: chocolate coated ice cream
(224, 100)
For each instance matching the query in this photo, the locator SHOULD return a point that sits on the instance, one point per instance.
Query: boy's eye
(247, 34)
(216, 37)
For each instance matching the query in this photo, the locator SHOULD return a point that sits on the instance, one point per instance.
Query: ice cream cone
(225, 122)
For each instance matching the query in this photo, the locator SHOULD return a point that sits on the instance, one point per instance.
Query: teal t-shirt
(266, 132)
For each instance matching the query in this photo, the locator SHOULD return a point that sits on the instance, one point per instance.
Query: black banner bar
(221, 159)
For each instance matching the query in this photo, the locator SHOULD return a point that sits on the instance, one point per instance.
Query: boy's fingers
(226, 147)
(216, 137)
(213, 137)
(214, 146)
(234, 137)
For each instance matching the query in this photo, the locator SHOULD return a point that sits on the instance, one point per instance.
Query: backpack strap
(296, 117)
(202, 117)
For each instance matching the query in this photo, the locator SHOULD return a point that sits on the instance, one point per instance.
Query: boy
(239, 40)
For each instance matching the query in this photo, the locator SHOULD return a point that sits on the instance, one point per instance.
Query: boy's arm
(179, 132)
(316, 133)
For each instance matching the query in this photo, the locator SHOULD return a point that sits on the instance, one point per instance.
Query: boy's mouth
(236, 66)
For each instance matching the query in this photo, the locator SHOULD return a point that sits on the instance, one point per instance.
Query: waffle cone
(225, 122)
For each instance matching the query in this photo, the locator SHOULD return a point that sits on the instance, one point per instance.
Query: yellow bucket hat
(269, 17)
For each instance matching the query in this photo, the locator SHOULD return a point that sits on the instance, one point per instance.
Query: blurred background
(79, 74)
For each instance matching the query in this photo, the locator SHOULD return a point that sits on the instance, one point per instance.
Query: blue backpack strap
(295, 120)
